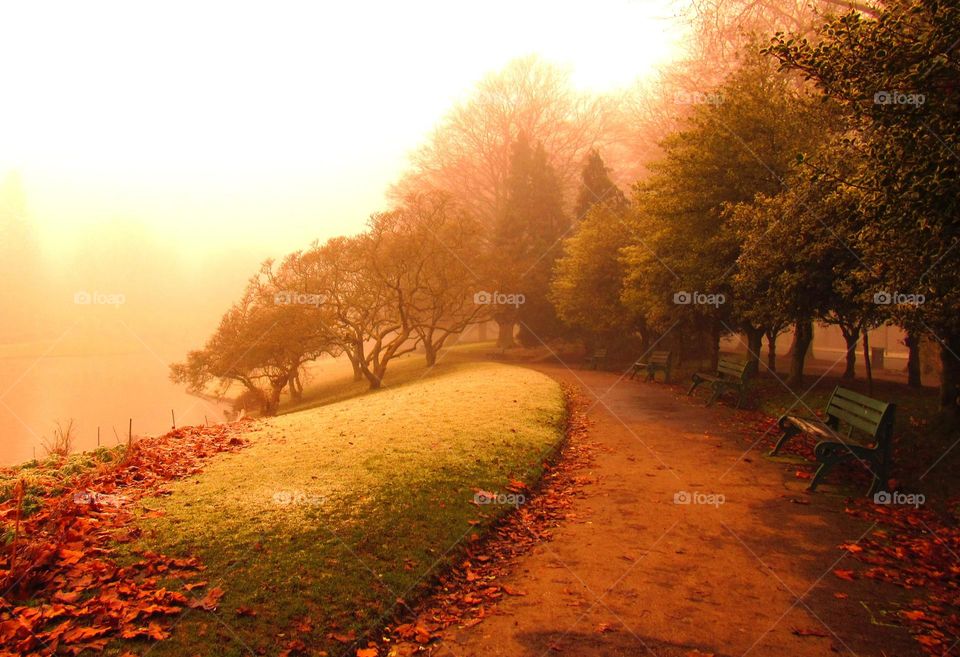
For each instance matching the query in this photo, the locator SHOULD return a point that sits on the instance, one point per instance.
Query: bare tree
(446, 238)
(468, 155)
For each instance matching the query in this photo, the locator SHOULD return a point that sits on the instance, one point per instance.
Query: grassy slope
(382, 487)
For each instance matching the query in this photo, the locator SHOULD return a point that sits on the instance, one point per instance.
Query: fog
(152, 159)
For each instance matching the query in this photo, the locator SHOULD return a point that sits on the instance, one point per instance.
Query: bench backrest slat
(866, 414)
(869, 415)
(863, 400)
(600, 353)
(732, 367)
(660, 357)
(854, 421)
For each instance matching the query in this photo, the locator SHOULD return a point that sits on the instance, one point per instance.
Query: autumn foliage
(65, 588)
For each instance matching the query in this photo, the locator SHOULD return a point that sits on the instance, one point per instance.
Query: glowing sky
(270, 123)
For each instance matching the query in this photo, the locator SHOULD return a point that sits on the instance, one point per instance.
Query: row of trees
(406, 281)
(817, 183)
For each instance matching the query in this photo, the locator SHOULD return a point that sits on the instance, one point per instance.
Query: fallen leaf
(208, 602)
(343, 637)
(808, 632)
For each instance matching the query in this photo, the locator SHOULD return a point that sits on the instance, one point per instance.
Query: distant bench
(659, 361)
(731, 375)
(596, 359)
(872, 418)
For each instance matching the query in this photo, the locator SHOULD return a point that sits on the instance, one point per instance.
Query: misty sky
(211, 124)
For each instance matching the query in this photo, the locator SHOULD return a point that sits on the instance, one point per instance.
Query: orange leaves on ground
(848, 575)
(79, 597)
(914, 548)
(70, 557)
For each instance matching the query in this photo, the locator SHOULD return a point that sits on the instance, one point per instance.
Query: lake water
(104, 391)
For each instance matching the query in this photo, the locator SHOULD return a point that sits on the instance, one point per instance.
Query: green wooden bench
(731, 375)
(873, 419)
(659, 361)
(596, 359)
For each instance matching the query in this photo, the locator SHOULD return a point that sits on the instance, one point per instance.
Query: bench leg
(822, 472)
(829, 454)
(696, 382)
(651, 373)
(717, 391)
(743, 391)
(788, 433)
(880, 478)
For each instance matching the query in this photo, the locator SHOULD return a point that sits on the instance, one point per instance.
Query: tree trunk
(293, 384)
(505, 333)
(430, 353)
(357, 370)
(867, 361)
(772, 351)
(913, 360)
(950, 376)
(644, 338)
(851, 336)
(714, 344)
(754, 345)
(375, 380)
(273, 403)
(802, 337)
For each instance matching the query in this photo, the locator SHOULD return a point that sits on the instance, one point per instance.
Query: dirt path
(636, 573)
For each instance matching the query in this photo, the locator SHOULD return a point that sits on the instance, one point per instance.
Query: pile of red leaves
(916, 549)
(467, 593)
(62, 592)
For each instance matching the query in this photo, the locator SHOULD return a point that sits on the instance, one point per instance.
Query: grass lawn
(335, 512)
